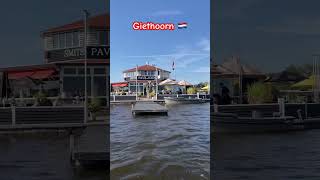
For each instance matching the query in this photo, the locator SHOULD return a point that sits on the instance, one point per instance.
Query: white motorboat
(183, 100)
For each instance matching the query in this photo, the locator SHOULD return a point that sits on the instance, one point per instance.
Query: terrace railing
(18, 116)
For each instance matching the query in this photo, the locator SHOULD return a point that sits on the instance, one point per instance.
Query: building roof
(82, 61)
(232, 68)
(99, 22)
(52, 65)
(145, 68)
(285, 77)
(28, 68)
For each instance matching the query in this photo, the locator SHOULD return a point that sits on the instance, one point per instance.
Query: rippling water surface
(283, 156)
(161, 147)
(40, 157)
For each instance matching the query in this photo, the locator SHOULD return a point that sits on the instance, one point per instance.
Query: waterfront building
(62, 73)
(234, 75)
(142, 79)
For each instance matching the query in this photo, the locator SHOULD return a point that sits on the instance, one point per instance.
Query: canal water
(176, 146)
(41, 157)
(285, 156)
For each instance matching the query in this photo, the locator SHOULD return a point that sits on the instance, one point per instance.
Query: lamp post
(157, 76)
(86, 15)
(137, 83)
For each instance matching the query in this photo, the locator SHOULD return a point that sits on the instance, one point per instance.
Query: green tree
(260, 93)
(191, 90)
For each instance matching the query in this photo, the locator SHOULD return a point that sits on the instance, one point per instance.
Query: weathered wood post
(306, 108)
(13, 115)
(71, 145)
(282, 107)
(215, 108)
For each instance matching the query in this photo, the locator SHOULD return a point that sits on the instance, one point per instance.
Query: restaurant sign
(146, 77)
(93, 52)
(98, 52)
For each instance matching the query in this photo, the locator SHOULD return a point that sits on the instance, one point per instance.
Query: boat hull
(183, 101)
(233, 124)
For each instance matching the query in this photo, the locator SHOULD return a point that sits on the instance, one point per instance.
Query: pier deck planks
(92, 147)
(141, 108)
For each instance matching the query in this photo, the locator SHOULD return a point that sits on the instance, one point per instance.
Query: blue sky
(189, 48)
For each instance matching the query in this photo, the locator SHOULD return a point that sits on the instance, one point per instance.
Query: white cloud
(203, 69)
(167, 13)
(184, 56)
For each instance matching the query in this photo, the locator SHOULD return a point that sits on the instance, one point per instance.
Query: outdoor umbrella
(305, 84)
(185, 84)
(168, 82)
(206, 88)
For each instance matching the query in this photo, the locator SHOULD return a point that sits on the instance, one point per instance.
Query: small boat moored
(183, 100)
(231, 123)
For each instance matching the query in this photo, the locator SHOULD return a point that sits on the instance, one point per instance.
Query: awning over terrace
(33, 74)
(120, 84)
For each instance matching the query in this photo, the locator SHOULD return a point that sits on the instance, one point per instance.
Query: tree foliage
(260, 93)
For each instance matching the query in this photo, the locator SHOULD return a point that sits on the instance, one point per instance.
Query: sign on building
(93, 52)
(146, 77)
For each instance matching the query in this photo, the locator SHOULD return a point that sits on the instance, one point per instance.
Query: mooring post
(71, 145)
(306, 107)
(215, 108)
(13, 111)
(281, 107)
(198, 95)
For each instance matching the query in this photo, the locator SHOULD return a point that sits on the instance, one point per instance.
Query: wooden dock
(91, 148)
(148, 108)
(88, 141)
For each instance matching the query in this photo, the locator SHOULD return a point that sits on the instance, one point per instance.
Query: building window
(69, 39)
(62, 40)
(99, 86)
(81, 71)
(103, 38)
(92, 38)
(70, 71)
(48, 42)
(74, 86)
(55, 42)
(99, 71)
(81, 38)
(76, 41)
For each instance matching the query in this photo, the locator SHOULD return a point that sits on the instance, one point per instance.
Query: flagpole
(136, 82)
(157, 75)
(174, 70)
(86, 14)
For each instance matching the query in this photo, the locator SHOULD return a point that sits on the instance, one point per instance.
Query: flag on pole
(182, 25)
(173, 65)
